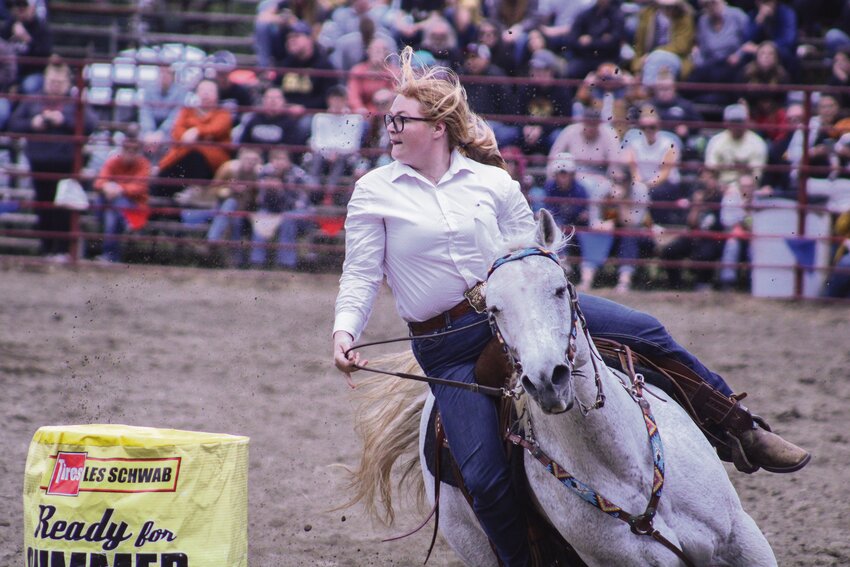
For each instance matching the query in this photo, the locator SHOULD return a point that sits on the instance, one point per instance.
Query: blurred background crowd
(666, 132)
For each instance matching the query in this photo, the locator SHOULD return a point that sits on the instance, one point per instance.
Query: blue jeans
(643, 333)
(221, 222)
(287, 238)
(838, 283)
(472, 430)
(114, 224)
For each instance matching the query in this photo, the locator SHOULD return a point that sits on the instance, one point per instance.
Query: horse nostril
(527, 385)
(560, 374)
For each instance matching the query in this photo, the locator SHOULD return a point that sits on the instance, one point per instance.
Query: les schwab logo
(77, 472)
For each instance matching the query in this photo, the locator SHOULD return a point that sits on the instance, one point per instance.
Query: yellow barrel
(116, 495)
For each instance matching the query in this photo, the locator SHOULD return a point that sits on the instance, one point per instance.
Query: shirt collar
(457, 164)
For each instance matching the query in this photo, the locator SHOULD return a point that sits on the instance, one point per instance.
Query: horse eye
(494, 310)
(560, 292)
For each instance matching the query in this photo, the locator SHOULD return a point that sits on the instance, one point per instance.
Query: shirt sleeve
(515, 217)
(363, 269)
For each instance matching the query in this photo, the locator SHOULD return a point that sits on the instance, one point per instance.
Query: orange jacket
(133, 177)
(213, 126)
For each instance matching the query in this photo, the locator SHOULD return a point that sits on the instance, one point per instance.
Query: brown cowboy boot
(765, 449)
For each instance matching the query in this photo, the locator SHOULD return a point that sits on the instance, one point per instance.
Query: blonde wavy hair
(443, 99)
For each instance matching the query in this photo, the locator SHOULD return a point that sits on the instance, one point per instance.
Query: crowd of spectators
(586, 97)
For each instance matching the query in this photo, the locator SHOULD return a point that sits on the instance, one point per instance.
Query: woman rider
(413, 221)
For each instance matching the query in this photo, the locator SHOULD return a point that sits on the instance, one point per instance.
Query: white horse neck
(612, 438)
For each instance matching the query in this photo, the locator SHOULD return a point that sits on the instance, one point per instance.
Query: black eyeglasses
(398, 120)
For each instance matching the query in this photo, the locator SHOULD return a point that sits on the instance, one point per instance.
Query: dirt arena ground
(248, 353)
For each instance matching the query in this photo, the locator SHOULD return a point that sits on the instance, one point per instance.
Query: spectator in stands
(766, 67)
(736, 216)
(595, 146)
(159, 109)
(823, 136)
(544, 102)
(839, 75)
(502, 55)
(674, 110)
(48, 123)
(352, 48)
(232, 95)
(33, 40)
(784, 156)
(235, 188)
(463, 18)
(558, 18)
(653, 156)
(366, 79)
(703, 216)
(8, 79)
(335, 144)
(721, 30)
(534, 41)
(830, 157)
(276, 122)
(487, 99)
(595, 38)
(566, 198)
(767, 107)
(284, 207)
(664, 39)
(122, 184)
(563, 194)
(517, 18)
(299, 84)
(274, 17)
(610, 90)
(737, 150)
(346, 18)
(198, 136)
(440, 40)
(625, 212)
(773, 21)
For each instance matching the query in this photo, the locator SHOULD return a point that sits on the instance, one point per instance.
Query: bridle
(576, 320)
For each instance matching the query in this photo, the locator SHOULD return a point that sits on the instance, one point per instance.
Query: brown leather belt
(442, 320)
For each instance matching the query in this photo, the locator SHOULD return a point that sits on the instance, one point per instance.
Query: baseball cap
(564, 161)
(735, 113)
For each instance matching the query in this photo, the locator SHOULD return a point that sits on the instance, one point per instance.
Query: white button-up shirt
(422, 237)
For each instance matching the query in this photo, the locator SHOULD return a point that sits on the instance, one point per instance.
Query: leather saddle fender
(494, 368)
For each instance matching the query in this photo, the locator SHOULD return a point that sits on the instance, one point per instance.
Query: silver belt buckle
(475, 297)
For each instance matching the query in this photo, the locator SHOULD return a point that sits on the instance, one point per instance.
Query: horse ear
(548, 232)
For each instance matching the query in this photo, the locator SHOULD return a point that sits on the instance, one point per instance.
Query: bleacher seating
(124, 41)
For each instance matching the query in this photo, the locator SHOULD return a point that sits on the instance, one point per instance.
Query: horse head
(529, 300)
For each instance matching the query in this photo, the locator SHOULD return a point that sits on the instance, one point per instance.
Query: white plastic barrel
(774, 262)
